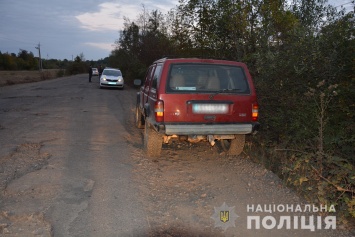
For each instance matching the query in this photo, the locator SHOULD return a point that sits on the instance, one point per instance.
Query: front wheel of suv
(233, 147)
(152, 142)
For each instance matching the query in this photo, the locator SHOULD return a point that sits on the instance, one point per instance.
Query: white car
(95, 72)
(111, 77)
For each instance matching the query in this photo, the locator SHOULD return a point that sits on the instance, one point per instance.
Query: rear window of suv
(207, 78)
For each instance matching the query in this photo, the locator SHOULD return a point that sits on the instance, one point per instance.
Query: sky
(67, 28)
(64, 29)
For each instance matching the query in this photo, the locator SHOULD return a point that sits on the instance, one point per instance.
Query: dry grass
(17, 77)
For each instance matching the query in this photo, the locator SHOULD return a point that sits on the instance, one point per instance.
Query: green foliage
(25, 60)
(61, 73)
(334, 186)
(306, 94)
(76, 68)
(8, 62)
(138, 46)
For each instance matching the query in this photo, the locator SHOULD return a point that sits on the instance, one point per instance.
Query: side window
(239, 80)
(148, 77)
(156, 76)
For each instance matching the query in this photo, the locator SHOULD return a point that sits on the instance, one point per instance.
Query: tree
(138, 46)
(8, 62)
(179, 32)
(26, 60)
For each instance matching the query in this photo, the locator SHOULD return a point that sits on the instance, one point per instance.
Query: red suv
(197, 100)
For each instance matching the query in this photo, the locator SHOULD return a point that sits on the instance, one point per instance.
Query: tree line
(25, 60)
(301, 56)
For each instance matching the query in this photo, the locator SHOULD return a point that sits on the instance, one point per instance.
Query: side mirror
(137, 82)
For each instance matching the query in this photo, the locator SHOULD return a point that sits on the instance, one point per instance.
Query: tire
(153, 142)
(233, 147)
(139, 119)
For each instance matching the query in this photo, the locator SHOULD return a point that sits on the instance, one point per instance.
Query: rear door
(146, 85)
(152, 90)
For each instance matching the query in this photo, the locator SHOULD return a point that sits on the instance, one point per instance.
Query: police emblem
(224, 216)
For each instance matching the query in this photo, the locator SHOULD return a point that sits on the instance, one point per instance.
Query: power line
(10, 39)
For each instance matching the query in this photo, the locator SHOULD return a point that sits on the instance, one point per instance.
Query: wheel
(139, 119)
(153, 142)
(233, 147)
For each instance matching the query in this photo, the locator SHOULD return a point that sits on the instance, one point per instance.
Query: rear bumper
(208, 129)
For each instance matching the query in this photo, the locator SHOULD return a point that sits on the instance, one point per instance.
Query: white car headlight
(103, 78)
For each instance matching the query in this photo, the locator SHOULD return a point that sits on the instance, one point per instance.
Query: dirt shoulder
(18, 77)
(188, 184)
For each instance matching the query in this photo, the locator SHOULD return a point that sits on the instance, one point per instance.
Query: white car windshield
(115, 73)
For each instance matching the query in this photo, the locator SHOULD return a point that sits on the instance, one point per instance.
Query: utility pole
(39, 54)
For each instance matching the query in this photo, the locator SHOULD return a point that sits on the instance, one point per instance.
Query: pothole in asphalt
(26, 158)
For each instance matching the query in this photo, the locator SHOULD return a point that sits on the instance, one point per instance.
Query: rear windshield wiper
(223, 90)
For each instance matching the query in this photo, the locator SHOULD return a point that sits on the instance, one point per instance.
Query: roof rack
(193, 56)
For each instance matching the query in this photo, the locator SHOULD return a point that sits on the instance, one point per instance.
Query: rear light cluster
(255, 112)
(159, 111)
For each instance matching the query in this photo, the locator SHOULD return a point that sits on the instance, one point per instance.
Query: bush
(60, 73)
(76, 68)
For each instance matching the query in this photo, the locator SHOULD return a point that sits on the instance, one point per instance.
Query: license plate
(210, 108)
(112, 83)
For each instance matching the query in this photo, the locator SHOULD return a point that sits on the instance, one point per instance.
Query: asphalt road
(86, 188)
(71, 164)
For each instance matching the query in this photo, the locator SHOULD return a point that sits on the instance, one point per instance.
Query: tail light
(255, 111)
(159, 111)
